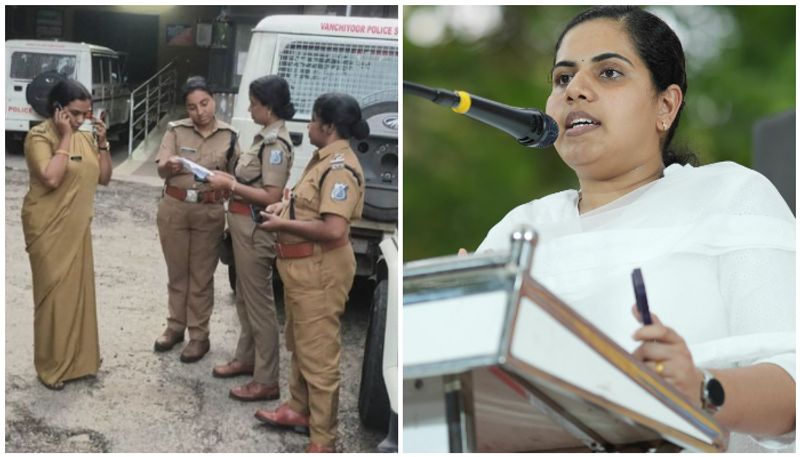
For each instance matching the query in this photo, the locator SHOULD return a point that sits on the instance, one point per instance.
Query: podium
(494, 362)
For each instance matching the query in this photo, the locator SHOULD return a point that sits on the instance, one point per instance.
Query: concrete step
(140, 166)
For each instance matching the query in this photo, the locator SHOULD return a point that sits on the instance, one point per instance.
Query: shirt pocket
(307, 196)
(248, 167)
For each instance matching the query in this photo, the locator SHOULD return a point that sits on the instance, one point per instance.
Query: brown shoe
(319, 449)
(167, 340)
(195, 350)
(255, 391)
(284, 417)
(231, 369)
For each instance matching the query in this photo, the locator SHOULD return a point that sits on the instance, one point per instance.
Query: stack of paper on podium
(530, 374)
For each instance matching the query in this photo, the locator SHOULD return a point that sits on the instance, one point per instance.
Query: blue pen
(641, 296)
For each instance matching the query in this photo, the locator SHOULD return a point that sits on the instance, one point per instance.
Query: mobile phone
(255, 213)
(641, 296)
(101, 114)
(57, 105)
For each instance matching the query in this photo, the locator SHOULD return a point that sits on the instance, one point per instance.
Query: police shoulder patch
(339, 192)
(275, 157)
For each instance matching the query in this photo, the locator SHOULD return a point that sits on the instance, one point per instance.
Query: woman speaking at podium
(716, 243)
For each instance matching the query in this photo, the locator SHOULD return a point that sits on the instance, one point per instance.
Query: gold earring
(664, 126)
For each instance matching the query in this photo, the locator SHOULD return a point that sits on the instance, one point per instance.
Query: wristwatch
(712, 394)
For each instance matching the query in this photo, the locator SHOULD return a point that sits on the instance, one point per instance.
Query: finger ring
(659, 367)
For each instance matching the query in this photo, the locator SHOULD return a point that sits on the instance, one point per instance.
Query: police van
(357, 56)
(33, 67)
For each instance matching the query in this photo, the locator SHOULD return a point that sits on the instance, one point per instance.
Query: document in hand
(493, 361)
(200, 172)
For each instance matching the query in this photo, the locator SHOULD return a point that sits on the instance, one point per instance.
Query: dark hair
(273, 91)
(64, 92)
(661, 51)
(343, 112)
(194, 83)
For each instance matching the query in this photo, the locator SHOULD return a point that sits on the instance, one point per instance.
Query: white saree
(716, 245)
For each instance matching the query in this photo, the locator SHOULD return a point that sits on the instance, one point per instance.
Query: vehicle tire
(378, 155)
(373, 402)
(39, 89)
(14, 145)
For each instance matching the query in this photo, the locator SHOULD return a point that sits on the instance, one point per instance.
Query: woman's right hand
(62, 121)
(174, 165)
(274, 208)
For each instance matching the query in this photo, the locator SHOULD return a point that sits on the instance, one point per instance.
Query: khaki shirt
(276, 158)
(340, 193)
(184, 140)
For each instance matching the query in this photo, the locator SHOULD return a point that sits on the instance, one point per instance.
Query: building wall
(191, 60)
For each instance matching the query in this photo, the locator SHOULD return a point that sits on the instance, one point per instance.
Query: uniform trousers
(315, 291)
(190, 235)
(253, 253)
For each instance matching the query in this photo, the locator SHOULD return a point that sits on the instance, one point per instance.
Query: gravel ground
(143, 401)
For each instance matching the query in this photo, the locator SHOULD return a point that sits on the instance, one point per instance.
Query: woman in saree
(65, 166)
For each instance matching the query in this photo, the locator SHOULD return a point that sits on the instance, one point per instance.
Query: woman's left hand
(100, 130)
(220, 180)
(666, 353)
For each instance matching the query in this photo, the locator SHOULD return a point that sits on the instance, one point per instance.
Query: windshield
(28, 65)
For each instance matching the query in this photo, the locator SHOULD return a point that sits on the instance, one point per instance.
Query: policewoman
(191, 218)
(260, 175)
(317, 266)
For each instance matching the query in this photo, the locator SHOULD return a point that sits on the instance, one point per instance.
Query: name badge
(185, 150)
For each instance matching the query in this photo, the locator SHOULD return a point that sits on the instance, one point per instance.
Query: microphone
(528, 126)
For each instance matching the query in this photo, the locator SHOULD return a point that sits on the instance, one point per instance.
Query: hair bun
(360, 129)
(288, 110)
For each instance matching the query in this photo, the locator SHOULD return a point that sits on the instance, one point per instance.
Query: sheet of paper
(202, 173)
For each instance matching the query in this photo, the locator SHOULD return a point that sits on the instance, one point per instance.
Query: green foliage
(461, 177)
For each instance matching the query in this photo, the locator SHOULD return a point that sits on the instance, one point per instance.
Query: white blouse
(716, 245)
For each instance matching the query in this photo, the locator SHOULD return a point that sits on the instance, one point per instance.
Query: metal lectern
(493, 361)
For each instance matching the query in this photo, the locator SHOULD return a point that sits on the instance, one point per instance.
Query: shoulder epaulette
(338, 167)
(39, 128)
(179, 123)
(271, 137)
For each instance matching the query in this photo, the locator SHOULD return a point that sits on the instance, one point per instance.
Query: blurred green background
(461, 177)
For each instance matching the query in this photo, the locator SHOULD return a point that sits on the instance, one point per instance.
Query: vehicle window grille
(314, 68)
(28, 65)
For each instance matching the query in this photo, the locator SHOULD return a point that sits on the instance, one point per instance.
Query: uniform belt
(235, 206)
(197, 196)
(300, 250)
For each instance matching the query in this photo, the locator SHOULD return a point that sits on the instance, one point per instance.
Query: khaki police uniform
(317, 278)
(190, 219)
(267, 163)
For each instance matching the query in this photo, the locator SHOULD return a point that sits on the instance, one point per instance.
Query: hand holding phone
(255, 213)
(62, 119)
(641, 296)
